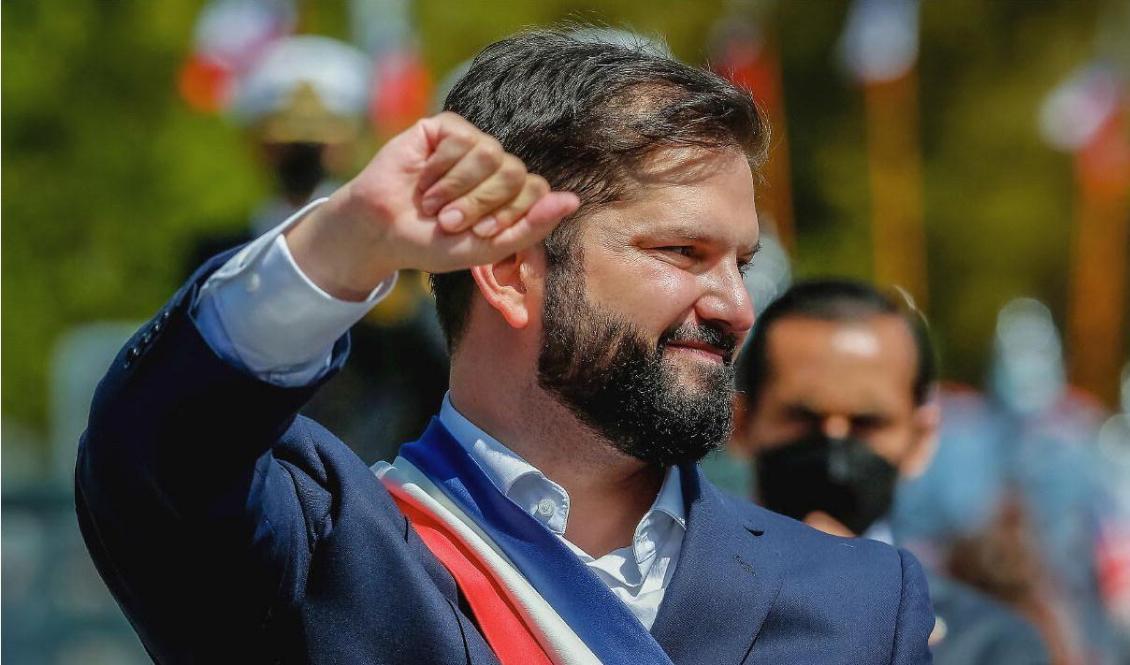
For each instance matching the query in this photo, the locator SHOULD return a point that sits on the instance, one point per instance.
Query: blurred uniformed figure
(838, 406)
(303, 102)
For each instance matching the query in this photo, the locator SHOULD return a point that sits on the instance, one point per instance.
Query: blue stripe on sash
(598, 617)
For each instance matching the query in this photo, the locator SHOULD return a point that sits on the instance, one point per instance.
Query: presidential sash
(534, 600)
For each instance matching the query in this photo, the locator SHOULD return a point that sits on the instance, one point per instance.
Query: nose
(725, 300)
(835, 427)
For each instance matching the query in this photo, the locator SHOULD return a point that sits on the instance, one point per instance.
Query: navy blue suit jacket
(232, 530)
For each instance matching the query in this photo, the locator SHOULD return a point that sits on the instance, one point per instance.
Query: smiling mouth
(704, 351)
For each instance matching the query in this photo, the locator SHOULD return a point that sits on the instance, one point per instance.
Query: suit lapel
(726, 580)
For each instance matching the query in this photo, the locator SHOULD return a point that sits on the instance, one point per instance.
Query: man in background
(838, 407)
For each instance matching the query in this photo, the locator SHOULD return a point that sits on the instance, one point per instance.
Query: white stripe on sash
(562, 645)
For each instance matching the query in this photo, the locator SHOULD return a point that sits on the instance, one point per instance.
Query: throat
(601, 522)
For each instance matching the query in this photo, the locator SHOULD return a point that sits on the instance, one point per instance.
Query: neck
(609, 491)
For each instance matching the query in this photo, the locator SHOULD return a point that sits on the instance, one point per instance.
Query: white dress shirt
(260, 312)
(637, 574)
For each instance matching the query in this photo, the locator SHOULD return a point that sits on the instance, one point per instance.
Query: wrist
(340, 252)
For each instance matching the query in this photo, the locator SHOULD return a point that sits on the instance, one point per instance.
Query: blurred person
(553, 511)
(303, 103)
(1114, 550)
(961, 488)
(1051, 464)
(838, 407)
(1000, 560)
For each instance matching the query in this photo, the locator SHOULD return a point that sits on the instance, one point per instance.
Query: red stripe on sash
(501, 624)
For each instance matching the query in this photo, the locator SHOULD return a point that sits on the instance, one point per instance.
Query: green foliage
(105, 174)
(454, 31)
(997, 200)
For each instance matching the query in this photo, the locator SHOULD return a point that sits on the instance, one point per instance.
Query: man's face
(640, 337)
(842, 379)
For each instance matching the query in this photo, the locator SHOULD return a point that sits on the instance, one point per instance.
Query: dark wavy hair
(839, 300)
(586, 115)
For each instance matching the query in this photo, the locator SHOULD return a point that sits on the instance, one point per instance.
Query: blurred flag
(1113, 552)
(880, 40)
(402, 84)
(1113, 564)
(1087, 116)
(1074, 113)
(744, 53)
(229, 36)
(403, 91)
(879, 49)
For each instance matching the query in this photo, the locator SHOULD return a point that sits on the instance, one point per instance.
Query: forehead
(693, 194)
(842, 365)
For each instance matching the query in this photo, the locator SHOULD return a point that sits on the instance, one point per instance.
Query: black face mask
(299, 169)
(841, 477)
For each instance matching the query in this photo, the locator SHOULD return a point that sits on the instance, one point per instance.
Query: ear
(927, 426)
(740, 445)
(512, 286)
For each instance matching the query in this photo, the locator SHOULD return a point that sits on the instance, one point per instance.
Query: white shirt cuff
(260, 312)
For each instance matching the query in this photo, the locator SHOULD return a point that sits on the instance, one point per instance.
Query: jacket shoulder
(805, 546)
(862, 591)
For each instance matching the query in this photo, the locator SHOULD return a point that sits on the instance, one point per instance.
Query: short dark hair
(840, 300)
(585, 114)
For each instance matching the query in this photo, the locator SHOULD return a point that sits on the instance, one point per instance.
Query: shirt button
(546, 508)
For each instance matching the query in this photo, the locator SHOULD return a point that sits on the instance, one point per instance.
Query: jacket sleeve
(195, 527)
(915, 618)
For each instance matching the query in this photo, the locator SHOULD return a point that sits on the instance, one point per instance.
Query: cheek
(651, 292)
(771, 424)
(770, 431)
(894, 443)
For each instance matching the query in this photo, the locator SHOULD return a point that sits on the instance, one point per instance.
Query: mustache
(706, 333)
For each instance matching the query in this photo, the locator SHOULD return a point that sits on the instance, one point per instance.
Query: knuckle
(451, 117)
(473, 203)
(537, 184)
(490, 154)
(446, 188)
(508, 215)
(459, 143)
(493, 144)
(512, 179)
(513, 174)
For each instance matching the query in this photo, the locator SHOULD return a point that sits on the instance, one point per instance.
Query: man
(553, 512)
(838, 407)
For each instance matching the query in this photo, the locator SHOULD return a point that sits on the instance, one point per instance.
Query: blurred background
(974, 154)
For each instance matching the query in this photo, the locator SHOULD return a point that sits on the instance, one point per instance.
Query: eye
(744, 265)
(681, 250)
(868, 423)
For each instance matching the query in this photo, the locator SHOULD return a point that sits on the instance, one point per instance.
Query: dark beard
(601, 367)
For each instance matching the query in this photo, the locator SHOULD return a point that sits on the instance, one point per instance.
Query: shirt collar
(524, 484)
(880, 531)
(503, 466)
(670, 498)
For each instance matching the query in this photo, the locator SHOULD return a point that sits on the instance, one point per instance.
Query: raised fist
(440, 196)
